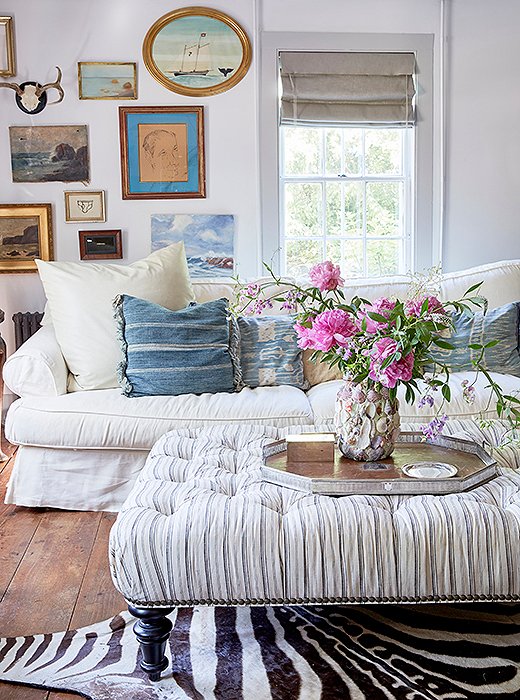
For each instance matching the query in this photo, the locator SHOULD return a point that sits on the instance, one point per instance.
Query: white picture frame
(85, 205)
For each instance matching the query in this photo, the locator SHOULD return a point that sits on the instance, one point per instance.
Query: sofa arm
(37, 368)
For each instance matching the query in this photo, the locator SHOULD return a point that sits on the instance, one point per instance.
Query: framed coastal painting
(25, 234)
(100, 245)
(99, 80)
(208, 241)
(197, 51)
(162, 152)
(86, 205)
(7, 60)
(49, 153)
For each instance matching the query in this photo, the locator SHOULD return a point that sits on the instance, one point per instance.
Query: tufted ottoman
(200, 527)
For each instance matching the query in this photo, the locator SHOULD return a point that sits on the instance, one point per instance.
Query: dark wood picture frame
(100, 245)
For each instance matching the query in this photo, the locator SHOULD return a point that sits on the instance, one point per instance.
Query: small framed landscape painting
(99, 80)
(25, 234)
(49, 153)
(197, 51)
(86, 205)
(208, 241)
(162, 152)
(100, 245)
(7, 61)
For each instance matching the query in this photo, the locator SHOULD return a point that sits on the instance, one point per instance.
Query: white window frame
(425, 244)
(406, 177)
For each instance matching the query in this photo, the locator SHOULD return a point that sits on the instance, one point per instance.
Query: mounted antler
(56, 85)
(31, 97)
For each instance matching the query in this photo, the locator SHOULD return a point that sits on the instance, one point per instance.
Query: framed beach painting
(208, 241)
(162, 152)
(49, 153)
(197, 51)
(98, 80)
(7, 60)
(25, 234)
(86, 205)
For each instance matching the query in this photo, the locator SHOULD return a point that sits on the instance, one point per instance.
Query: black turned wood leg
(152, 630)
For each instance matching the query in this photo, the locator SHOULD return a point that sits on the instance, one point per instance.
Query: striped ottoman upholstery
(200, 527)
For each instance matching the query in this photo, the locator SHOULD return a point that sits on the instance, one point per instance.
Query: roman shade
(347, 88)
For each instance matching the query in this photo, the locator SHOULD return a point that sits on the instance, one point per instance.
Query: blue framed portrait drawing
(162, 152)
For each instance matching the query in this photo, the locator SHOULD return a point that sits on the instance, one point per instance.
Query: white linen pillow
(80, 299)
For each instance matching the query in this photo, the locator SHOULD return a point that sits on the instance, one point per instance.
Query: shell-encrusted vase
(367, 422)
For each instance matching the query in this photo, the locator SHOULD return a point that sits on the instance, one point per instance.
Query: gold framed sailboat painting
(197, 51)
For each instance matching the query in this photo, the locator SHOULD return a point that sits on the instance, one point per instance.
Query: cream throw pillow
(319, 372)
(80, 299)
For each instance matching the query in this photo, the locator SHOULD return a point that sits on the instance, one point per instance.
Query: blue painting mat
(132, 126)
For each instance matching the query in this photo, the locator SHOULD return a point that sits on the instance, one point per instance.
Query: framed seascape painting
(49, 153)
(208, 240)
(162, 152)
(25, 234)
(7, 61)
(86, 205)
(99, 80)
(197, 51)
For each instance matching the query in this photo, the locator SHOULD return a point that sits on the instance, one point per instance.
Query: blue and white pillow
(269, 353)
(191, 351)
(500, 324)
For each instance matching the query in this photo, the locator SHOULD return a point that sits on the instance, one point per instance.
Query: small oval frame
(226, 84)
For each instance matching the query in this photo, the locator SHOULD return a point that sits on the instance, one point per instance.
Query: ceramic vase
(367, 422)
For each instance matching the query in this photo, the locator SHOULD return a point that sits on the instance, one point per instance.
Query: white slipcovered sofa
(83, 450)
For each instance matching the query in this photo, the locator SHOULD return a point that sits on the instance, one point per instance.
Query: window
(346, 196)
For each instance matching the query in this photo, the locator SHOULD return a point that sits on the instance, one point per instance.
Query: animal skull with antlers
(31, 97)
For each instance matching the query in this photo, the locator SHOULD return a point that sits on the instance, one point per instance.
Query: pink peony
(381, 306)
(326, 276)
(400, 370)
(328, 329)
(414, 306)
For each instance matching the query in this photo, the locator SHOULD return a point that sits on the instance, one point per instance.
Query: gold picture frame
(7, 60)
(107, 80)
(25, 234)
(162, 152)
(197, 51)
(84, 205)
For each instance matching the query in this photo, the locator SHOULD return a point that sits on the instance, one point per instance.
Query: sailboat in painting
(196, 59)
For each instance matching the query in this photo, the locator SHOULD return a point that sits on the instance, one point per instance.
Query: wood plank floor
(54, 574)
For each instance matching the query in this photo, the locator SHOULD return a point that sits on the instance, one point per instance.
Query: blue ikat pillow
(269, 353)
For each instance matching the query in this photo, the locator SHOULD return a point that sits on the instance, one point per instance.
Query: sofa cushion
(107, 419)
(501, 282)
(499, 324)
(190, 351)
(80, 299)
(269, 352)
(322, 399)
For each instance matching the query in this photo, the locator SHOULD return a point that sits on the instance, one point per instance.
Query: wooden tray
(345, 476)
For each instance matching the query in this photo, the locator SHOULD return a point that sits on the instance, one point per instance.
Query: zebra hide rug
(400, 652)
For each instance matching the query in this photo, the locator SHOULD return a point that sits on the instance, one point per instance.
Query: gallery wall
(483, 54)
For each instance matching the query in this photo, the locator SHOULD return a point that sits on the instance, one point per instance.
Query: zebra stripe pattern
(425, 652)
(202, 527)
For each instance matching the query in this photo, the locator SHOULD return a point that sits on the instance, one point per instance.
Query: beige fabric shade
(347, 88)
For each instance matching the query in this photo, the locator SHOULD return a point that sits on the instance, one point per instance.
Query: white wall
(53, 33)
(482, 202)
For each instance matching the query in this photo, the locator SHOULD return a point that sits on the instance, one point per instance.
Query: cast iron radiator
(25, 325)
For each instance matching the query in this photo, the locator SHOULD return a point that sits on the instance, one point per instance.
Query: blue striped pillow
(498, 324)
(269, 352)
(191, 351)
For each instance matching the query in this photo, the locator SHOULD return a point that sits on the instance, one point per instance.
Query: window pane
(348, 255)
(303, 210)
(384, 209)
(383, 149)
(383, 258)
(302, 151)
(344, 208)
(353, 140)
(301, 256)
